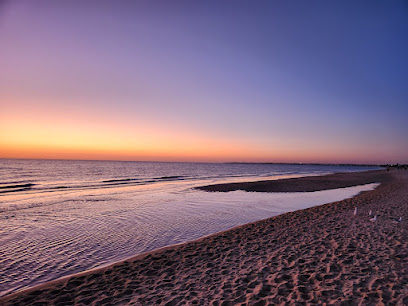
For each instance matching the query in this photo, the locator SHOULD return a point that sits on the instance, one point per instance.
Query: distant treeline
(396, 166)
(309, 164)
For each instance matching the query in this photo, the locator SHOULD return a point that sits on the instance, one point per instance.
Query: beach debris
(355, 211)
(370, 213)
(373, 219)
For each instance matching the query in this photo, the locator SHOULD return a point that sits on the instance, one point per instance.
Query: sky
(210, 81)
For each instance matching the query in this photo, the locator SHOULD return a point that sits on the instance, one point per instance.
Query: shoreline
(206, 259)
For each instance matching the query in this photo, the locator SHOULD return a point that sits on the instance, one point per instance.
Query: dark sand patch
(304, 184)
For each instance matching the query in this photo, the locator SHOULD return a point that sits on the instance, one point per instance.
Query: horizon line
(212, 162)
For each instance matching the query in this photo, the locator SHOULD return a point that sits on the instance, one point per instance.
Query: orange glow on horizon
(44, 133)
(50, 141)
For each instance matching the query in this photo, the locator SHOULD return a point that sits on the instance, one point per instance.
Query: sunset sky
(261, 81)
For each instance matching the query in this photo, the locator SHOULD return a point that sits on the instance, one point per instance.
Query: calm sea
(60, 217)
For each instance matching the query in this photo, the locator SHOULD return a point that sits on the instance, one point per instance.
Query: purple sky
(321, 81)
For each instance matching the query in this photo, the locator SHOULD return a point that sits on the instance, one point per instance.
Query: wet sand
(304, 184)
(322, 254)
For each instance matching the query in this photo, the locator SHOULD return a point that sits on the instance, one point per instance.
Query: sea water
(60, 217)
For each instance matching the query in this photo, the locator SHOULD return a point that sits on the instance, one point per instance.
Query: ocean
(60, 217)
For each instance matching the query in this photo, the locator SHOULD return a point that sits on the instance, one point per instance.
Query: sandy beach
(323, 254)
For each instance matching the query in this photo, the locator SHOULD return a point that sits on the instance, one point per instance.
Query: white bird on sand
(397, 220)
(355, 211)
(370, 213)
(374, 219)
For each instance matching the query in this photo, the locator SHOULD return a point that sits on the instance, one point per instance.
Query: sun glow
(47, 134)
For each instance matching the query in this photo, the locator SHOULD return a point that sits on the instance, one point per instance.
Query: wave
(108, 183)
(16, 207)
(21, 186)
(155, 179)
(172, 177)
(119, 180)
(17, 186)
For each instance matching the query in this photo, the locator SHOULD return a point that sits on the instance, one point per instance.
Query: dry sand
(319, 255)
